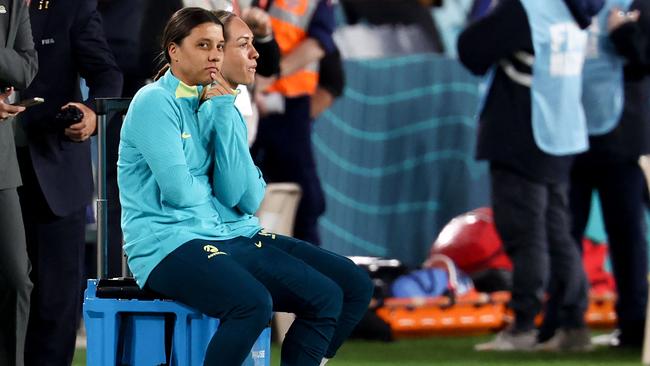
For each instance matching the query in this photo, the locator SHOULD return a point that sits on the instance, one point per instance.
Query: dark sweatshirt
(505, 135)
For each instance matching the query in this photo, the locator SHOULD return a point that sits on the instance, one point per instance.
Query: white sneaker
(568, 340)
(509, 340)
(608, 340)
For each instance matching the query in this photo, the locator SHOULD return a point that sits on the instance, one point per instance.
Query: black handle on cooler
(103, 107)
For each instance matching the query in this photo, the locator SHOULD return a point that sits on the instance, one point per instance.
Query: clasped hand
(82, 130)
(7, 110)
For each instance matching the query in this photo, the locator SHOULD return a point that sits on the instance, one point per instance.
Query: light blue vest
(558, 119)
(602, 94)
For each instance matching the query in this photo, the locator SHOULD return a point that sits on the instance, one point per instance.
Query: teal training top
(173, 150)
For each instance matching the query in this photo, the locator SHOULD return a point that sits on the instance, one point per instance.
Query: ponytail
(161, 72)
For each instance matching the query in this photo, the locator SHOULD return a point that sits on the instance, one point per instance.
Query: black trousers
(621, 187)
(55, 246)
(283, 151)
(15, 285)
(532, 219)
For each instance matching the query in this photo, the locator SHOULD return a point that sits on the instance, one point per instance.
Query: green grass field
(453, 351)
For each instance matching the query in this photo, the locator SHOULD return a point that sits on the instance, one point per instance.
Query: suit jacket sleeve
(18, 65)
(91, 52)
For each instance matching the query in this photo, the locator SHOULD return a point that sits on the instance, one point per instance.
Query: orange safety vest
(289, 20)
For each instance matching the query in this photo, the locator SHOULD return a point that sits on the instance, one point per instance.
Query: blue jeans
(242, 280)
(532, 219)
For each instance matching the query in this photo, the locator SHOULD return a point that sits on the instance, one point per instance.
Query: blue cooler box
(153, 332)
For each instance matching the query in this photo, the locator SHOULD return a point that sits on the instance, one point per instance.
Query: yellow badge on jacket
(213, 251)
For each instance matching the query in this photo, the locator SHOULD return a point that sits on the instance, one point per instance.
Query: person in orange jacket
(283, 149)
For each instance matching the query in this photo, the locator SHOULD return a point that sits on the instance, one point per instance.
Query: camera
(68, 116)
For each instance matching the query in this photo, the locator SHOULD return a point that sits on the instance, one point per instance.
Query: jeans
(532, 219)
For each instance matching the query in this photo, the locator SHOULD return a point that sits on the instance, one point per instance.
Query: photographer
(56, 168)
(530, 149)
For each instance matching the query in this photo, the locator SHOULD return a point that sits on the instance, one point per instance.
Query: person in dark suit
(18, 66)
(56, 166)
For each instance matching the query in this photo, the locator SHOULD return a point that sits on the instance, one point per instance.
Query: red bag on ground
(593, 258)
(472, 242)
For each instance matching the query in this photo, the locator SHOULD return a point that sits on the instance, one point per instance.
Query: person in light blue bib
(615, 95)
(532, 124)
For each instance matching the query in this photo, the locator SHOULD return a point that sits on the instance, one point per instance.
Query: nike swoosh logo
(186, 135)
(258, 244)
